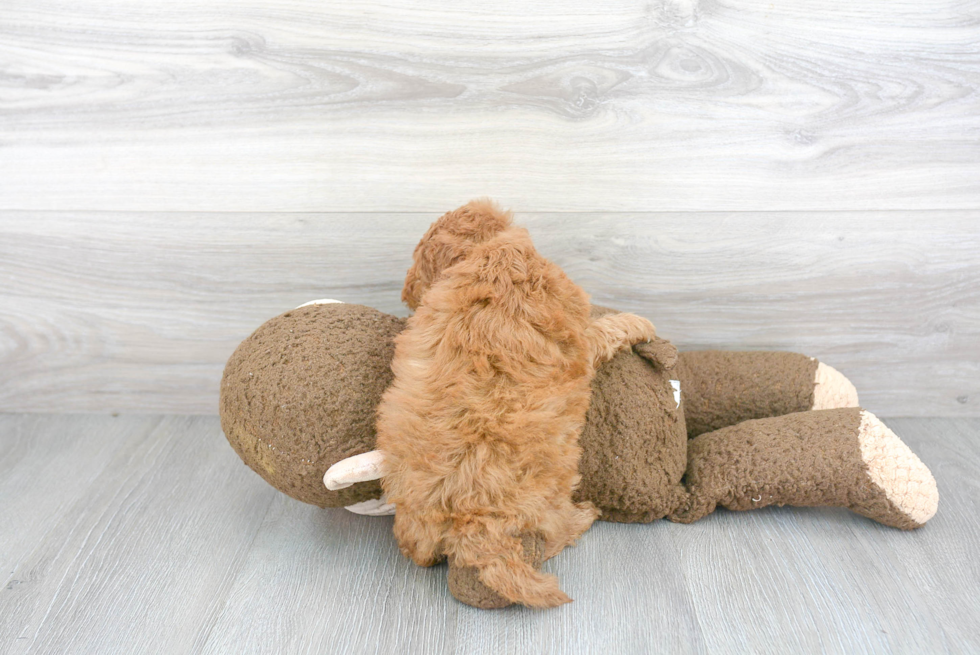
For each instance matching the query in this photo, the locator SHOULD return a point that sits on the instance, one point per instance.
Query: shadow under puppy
(491, 386)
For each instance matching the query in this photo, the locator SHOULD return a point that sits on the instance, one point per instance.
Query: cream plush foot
(906, 483)
(831, 390)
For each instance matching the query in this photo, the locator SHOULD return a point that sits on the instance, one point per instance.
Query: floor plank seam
(228, 585)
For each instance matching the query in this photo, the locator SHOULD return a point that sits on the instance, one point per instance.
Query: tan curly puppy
(480, 426)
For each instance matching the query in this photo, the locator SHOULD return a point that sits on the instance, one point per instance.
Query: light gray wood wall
(633, 105)
(123, 312)
(801, 176)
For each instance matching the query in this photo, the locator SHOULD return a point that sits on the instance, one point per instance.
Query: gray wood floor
(135, 534)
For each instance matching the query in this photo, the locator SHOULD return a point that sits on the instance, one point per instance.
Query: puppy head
(448, 241)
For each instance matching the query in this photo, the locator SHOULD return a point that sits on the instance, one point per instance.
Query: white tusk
(321, 301)
(373, 507)
(359, 468)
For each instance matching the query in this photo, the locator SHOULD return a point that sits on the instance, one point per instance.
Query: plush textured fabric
(892, 466)
(807, 459)
(300, 394)
(721, 388)
(634, 445)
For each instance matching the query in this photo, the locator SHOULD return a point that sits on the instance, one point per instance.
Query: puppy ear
(429, 259)
(449, 240)
(477, 221)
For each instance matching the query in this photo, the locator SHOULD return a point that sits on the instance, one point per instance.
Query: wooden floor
(136, 534)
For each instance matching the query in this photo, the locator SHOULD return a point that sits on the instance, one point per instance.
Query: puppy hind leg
(582, 518)
(572, 520)
(611, 333)
(418, 539)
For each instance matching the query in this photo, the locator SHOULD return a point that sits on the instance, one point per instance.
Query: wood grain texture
(138, 312)
(41, 454)
(137, 562)
(633, 105)
(174, 546)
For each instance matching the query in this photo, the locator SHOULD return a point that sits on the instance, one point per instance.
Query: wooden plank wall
(801, 176)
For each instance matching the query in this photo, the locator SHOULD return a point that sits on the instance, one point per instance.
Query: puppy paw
(425, 558)
(640, 330)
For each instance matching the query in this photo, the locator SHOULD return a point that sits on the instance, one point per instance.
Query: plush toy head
(300, 394)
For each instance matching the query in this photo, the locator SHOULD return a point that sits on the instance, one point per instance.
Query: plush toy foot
(835, 458)
(721, 388)
(831, 390)
(910, 494)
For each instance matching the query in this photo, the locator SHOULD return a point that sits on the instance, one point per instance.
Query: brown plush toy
(667, 434)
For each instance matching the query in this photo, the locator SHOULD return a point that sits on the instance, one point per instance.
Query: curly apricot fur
(491, 387)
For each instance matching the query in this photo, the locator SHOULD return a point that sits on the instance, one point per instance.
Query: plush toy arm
(659, 352)
(721, 388)
(835, 457)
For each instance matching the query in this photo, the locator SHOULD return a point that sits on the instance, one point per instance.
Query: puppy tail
(507, 572)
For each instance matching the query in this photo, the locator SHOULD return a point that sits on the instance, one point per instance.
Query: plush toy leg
(466, 587)
(836, 457)
(721, 388)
